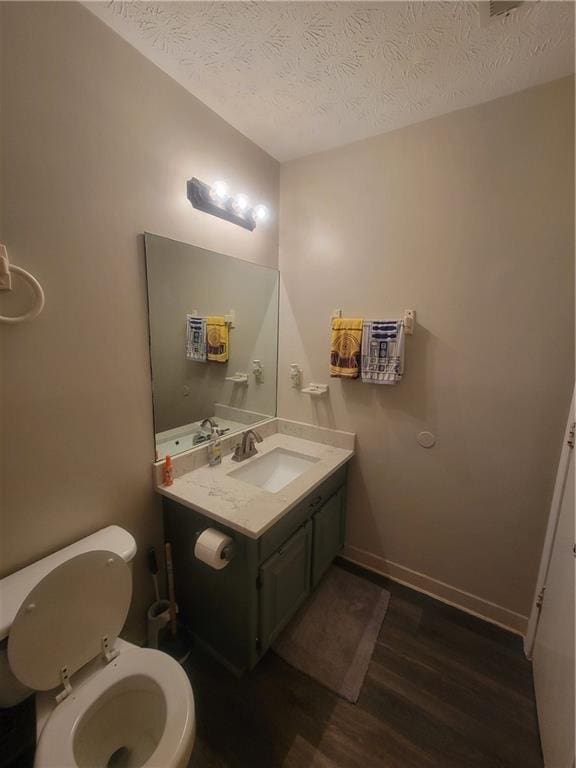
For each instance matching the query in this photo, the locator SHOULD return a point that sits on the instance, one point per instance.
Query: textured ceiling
(299, 77)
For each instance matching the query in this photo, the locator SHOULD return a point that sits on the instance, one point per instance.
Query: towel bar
(408, 320)
(229, 317)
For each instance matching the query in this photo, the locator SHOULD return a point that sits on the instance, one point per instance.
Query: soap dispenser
(214, 449)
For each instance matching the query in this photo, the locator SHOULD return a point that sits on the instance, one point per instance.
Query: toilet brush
(158, 613)
(175, 644)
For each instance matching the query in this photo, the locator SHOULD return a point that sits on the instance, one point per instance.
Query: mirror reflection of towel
(217, 340)
(195, 339)
(345, 347)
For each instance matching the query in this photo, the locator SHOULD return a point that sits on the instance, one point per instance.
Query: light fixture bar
(199, 195)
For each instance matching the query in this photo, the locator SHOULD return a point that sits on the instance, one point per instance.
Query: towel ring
(38, 294)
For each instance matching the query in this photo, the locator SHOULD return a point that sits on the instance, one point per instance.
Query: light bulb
(241, 203)
(219, 191)
(260, 212)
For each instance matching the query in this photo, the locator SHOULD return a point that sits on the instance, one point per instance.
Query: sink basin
(275, 469)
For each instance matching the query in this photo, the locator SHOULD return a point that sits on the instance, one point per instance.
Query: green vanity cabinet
(237, 612)
(329, 531)
(284, 584)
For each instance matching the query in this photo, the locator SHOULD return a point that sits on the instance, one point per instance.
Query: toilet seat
(72, 615)
(78, 734)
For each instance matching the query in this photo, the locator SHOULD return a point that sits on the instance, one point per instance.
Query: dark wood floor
(443, 690)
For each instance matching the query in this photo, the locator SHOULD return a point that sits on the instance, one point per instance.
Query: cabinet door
(284, 584)
(328, 534)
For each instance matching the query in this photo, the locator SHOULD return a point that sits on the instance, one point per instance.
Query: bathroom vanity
(283, 540)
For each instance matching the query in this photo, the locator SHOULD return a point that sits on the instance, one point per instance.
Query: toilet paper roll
(213, 548)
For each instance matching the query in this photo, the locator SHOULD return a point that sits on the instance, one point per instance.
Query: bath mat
(332, 636)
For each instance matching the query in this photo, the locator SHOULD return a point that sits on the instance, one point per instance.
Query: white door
(554, 641)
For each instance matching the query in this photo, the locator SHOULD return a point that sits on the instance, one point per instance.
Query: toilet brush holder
(158, 618)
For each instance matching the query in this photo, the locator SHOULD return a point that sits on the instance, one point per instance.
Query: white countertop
(246, 508)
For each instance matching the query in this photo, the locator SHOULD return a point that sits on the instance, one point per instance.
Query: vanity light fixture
(240, 204)
(217, 200)
(219, 191)
(260, 212)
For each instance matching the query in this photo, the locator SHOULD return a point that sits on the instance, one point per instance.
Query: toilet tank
(15, 588)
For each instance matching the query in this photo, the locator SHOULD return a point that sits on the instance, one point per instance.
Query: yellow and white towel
(217, 339)
(345, 347)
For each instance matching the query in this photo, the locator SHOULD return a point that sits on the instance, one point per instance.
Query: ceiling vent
(491, 9)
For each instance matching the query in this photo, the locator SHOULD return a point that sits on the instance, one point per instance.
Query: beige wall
(468, 219)
(97, 144)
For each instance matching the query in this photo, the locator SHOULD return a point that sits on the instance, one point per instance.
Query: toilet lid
(64, 618)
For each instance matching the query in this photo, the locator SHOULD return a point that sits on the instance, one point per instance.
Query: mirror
(213, 323)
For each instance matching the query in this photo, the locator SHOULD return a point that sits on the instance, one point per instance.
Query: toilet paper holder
(226, 554)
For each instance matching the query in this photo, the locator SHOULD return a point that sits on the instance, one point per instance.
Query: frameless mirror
(213, 323)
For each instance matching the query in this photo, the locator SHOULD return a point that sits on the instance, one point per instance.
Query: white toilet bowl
(136, 712)
(101, 702)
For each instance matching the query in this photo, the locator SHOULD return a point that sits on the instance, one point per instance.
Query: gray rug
(332, 637)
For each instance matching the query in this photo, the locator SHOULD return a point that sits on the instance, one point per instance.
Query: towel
(382, 351)
(195, 338)
(217, 338)
(345, 347)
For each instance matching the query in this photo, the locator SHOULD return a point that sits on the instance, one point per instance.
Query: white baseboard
(477, 606)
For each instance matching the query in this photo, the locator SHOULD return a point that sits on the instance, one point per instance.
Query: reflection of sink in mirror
(191, 436)
(173, 441)
(275, 469)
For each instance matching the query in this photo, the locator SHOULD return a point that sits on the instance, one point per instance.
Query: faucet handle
(238, 452)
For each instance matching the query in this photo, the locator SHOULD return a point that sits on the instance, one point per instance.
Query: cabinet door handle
(316, 501)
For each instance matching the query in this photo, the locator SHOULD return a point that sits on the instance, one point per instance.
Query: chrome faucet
(247, 447)
(211, 424)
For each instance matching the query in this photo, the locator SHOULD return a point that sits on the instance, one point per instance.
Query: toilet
(101, 702)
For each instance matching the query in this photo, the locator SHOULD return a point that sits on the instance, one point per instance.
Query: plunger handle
(153, 568)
